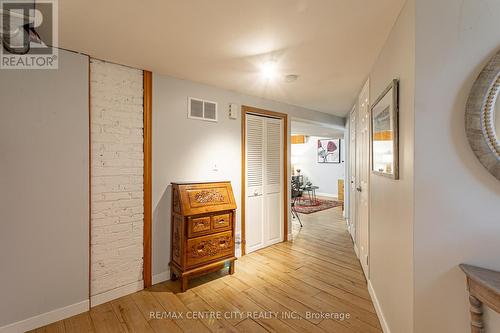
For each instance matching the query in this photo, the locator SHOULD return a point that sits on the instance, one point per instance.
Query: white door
(264, 182)
(362, 177)
(352, 172)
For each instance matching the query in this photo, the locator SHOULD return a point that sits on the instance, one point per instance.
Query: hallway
(317, 272)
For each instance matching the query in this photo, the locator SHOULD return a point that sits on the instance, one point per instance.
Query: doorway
(318, 169)
(264, 173)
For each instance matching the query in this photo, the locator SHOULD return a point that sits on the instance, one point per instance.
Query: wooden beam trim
(148, 209)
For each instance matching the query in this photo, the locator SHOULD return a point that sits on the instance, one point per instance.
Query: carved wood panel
(221, 221)
(175, 200)
(199, 226)
(206, 248)
(177, 239)
(208, 196)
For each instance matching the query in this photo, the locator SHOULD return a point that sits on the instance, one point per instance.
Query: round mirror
(482, 117)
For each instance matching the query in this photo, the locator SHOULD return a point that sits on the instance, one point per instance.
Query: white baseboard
(328, 195)
(161, 277)
(46, 318)
(356, 250)
(290, 236)
(116, 293)
(378, 308)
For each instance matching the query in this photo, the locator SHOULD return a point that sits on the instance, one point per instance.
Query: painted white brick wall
(116, 101)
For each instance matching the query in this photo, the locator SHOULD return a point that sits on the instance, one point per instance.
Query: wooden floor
(313, 276)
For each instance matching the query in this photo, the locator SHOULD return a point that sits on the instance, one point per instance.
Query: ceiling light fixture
(268, 69)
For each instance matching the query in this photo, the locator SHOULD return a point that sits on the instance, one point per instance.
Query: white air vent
(202, 109)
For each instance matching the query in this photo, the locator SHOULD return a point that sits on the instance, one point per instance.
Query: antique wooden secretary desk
(202, 231)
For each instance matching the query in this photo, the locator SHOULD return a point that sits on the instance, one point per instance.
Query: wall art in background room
(385, 132)
(329, 151)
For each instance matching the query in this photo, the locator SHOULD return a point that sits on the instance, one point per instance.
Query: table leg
(476, 315)
(184, 283)
(231, 268)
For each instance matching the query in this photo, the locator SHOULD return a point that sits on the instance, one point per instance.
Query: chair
(296, 194)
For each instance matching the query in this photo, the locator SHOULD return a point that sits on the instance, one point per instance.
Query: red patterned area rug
(304, 206)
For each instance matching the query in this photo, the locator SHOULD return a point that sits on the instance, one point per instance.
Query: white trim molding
(378, 308)
(356, 250)
(46, 318)
(161, 277)
(348, 225)
(327, 195)
(116, 293)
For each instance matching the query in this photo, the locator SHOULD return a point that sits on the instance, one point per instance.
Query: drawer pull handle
(221, 221)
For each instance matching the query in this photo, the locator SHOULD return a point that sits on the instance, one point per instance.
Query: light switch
(233, 111)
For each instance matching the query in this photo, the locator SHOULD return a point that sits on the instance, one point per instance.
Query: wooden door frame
(148, 191)
(252, 110)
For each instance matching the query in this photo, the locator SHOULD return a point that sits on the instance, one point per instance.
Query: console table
(484, 288)
(311, 192)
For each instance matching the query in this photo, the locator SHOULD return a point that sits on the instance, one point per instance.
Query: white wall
(117, 218)
(44, 196)
(457, 202)
(324, 175)
(391, 205)
(187, 149)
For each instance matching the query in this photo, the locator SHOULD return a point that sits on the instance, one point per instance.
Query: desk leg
(184, 283)
(231, 268)
(476, 315)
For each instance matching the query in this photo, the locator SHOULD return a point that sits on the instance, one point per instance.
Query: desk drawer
(207, 248)
(199, 226)
(222, 221)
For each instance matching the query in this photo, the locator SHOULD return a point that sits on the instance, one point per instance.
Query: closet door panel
(273, 177)
(273, 219)
(254, 210)
(264, 182)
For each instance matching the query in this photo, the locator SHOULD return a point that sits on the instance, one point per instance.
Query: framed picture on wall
(384, 133)
(329, 151)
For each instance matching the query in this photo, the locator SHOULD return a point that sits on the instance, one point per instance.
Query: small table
(484, 287)
(311, 192)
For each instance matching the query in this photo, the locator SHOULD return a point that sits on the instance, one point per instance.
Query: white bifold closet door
(264, 182)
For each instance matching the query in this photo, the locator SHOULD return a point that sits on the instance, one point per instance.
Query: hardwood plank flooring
(282, 288)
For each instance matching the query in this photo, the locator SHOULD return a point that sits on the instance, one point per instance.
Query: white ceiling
(315, 129)
(330, 44)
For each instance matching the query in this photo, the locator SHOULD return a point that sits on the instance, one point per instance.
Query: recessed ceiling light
(268, 69)
(291, 78)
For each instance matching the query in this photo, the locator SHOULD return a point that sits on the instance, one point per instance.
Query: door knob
(358, 188)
